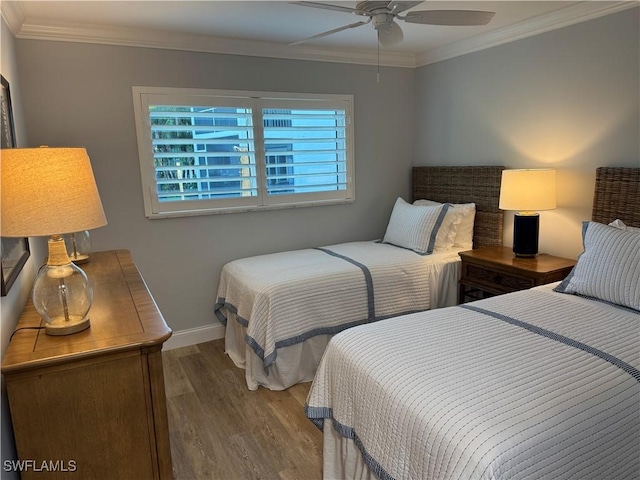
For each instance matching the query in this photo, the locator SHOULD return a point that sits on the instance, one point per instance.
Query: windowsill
(226, 210)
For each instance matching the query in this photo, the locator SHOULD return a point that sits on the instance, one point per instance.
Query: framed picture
(14, 251)
(8, 139)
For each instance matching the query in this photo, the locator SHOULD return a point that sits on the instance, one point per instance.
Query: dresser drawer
(498, 280)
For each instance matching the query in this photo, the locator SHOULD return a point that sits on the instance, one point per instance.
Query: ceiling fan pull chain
(378, 73)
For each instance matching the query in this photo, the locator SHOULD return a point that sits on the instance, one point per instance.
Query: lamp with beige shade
(51, 192)
(527, 191)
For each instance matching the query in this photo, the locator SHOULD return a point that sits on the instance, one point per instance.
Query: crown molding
(38, 30)
(563, 17)
(34, 29)
(13, 16)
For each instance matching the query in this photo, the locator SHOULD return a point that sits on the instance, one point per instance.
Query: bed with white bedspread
(538, 384)
(309, 295)
(280, 310)
(530, 385)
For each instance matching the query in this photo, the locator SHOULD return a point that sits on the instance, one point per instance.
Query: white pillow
(448, 232)
(464, 230)
(415, 227)
(609, 267)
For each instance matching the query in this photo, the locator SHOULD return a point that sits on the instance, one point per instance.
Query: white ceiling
(267, 27)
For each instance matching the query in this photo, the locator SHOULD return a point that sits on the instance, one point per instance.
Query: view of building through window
(209, 152)
(216, 138)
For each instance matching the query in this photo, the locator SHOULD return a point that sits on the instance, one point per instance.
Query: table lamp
(50, 192)
(527, 191)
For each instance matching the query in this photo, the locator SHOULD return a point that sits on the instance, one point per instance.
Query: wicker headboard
(480, 185)
(617, 195)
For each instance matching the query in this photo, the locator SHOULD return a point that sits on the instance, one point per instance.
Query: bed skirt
(341, 458)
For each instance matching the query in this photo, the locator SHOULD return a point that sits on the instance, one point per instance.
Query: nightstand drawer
(497, 280)
(492, 271)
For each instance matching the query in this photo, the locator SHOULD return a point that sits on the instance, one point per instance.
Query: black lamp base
(525, 234)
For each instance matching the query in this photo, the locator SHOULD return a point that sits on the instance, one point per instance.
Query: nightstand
(92, 404)
(495, 270)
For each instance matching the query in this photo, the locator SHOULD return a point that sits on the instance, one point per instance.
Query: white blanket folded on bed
(530, 385)
(285, 298)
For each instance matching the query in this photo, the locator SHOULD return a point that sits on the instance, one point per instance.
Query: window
(211, 151)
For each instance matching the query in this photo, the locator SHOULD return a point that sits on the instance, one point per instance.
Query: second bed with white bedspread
(530, 385)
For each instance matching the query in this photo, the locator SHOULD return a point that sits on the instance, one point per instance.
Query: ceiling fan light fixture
(382, 20)
(389, 34)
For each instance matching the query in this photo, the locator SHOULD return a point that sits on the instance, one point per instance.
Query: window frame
(257, 101)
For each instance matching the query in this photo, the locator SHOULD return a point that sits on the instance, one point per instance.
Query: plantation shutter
(305, 147)
(215, 151)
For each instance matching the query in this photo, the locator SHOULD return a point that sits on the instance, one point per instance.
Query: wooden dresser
(92, 404)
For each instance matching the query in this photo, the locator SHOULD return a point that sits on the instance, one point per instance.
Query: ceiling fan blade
(335, 30)
(399, 7)
(449, 17)
(326, 6)
(389, 34)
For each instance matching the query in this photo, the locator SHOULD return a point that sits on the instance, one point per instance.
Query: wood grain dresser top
(124, 316)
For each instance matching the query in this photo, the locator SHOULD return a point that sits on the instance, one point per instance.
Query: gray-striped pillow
(414, 227)
(609, 267)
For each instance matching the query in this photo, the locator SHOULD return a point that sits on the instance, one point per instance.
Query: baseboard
(193, 336)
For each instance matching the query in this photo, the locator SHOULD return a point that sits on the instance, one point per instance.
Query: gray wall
(12, 304)
(80, 94)
(567, 99)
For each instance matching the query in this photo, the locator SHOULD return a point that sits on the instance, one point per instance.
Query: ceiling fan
(383, 15)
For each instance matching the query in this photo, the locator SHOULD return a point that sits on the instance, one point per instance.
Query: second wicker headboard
(617, 195)
(480, 185)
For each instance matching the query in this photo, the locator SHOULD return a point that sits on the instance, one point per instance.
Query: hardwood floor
(219, 429)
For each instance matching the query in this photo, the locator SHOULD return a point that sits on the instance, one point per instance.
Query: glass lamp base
(60, 326)
(78, 246)
(79, 258)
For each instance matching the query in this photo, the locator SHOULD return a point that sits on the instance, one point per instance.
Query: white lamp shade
(528, 190)
(48, 191)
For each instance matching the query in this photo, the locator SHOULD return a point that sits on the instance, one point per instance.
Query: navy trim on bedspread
(371, 306)
(634, 372)
(259, 351)
(222, 318)
(217, 311)
(268, 360)
(317, 415)
(314, 333)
